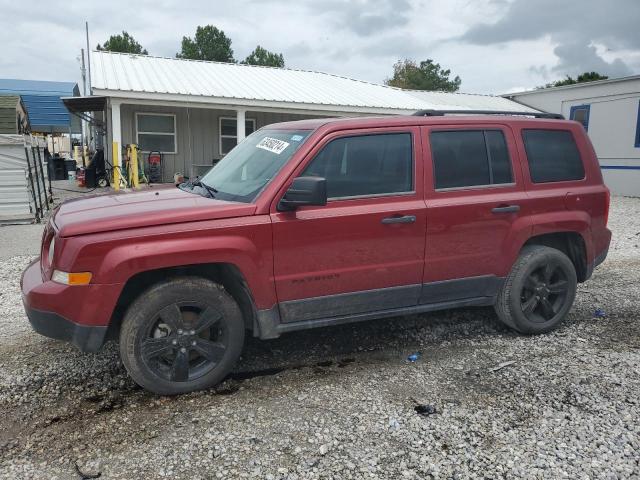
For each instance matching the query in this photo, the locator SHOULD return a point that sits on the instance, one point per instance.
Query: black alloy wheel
(185, 342)
(181, 335)
(539, 290)
(544, 292)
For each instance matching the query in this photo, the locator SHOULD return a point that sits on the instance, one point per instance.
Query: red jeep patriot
(321, 222)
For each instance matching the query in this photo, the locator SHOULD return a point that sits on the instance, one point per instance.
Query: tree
(210, 43)
(261, 56)
(426, 76)
(582, 78)
(124, 43)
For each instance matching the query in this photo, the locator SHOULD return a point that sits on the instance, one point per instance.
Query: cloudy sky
(496, 46)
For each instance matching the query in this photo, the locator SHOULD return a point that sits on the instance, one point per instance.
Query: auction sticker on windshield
(272, 145)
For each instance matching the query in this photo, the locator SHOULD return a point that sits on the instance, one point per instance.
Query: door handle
(506, 209)
(399, 219)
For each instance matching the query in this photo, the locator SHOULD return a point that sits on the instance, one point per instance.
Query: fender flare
(126, 260)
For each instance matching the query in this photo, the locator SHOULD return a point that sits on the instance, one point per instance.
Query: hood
(155, 206)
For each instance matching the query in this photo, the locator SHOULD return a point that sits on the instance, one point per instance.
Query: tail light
(606, 207)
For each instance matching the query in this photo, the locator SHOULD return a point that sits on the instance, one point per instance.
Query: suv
(322, 222)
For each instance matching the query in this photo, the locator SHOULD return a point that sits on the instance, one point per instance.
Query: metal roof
(42, 101)
(156, 78)
(630, 78)
(91, 103)
(465, 101)
(9, 101)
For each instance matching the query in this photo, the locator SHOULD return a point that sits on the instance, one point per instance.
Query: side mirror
(304, 191)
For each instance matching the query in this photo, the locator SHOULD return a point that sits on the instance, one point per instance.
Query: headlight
(52, 246)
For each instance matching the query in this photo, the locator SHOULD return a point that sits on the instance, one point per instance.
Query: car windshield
(244, 172)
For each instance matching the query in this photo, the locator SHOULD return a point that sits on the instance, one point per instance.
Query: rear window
(467, 158)
(553, 156)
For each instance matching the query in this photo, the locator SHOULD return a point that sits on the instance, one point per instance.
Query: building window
(228, 132)
(365, 165)
(580, 113)
(470, 158)
(638, 128)
(552, 156)
(156, 132)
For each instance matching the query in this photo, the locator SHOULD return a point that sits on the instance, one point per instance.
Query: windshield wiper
(199, 183)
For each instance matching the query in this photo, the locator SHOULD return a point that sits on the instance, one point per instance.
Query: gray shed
(23, 182)
(13, 116)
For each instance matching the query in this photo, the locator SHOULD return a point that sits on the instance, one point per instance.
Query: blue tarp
(41, 99)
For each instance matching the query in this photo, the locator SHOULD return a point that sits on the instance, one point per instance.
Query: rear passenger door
(475, 200)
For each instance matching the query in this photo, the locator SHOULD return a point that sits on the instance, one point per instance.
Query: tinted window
(365, 165)
(499, 157)
(552, 155)
(466, 158)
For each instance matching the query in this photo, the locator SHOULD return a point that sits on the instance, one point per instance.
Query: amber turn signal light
(79, 278)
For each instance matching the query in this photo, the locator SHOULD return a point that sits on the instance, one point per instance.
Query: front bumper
(49, 324)
(76, 314)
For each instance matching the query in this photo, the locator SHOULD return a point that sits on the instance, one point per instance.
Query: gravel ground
(340, 402)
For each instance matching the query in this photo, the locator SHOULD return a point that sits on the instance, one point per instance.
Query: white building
(610, 111)
(194, 112)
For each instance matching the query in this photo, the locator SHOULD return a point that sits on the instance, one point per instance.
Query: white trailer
(610, 111)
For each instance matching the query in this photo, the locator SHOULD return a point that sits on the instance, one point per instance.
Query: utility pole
(89, 133)
(84, 134)
(86, 25)
(83, 70)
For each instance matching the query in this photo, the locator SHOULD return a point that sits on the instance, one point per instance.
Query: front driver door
(364, 250)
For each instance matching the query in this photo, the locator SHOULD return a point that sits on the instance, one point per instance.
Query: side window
(156, 132)
(228, 134)
(580, 113)
(365, 165)
(552, 155)
(467, 158)
(498, 157)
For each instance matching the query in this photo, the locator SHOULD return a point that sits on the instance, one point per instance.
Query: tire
(538, 292)
(181, 335)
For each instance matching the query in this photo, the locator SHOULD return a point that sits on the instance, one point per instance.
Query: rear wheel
(538, 292)
(182, 335)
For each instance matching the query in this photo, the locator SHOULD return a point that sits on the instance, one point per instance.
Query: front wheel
(182, 335)
(538, 292)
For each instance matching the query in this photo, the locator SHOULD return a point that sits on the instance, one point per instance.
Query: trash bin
(57, 168)
(70, 167)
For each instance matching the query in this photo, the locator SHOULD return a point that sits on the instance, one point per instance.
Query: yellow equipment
(132, 155)
(118, 179)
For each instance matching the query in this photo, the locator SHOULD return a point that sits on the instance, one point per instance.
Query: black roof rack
(440, 113)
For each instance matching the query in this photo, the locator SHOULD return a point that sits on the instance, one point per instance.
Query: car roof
(405, 120)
